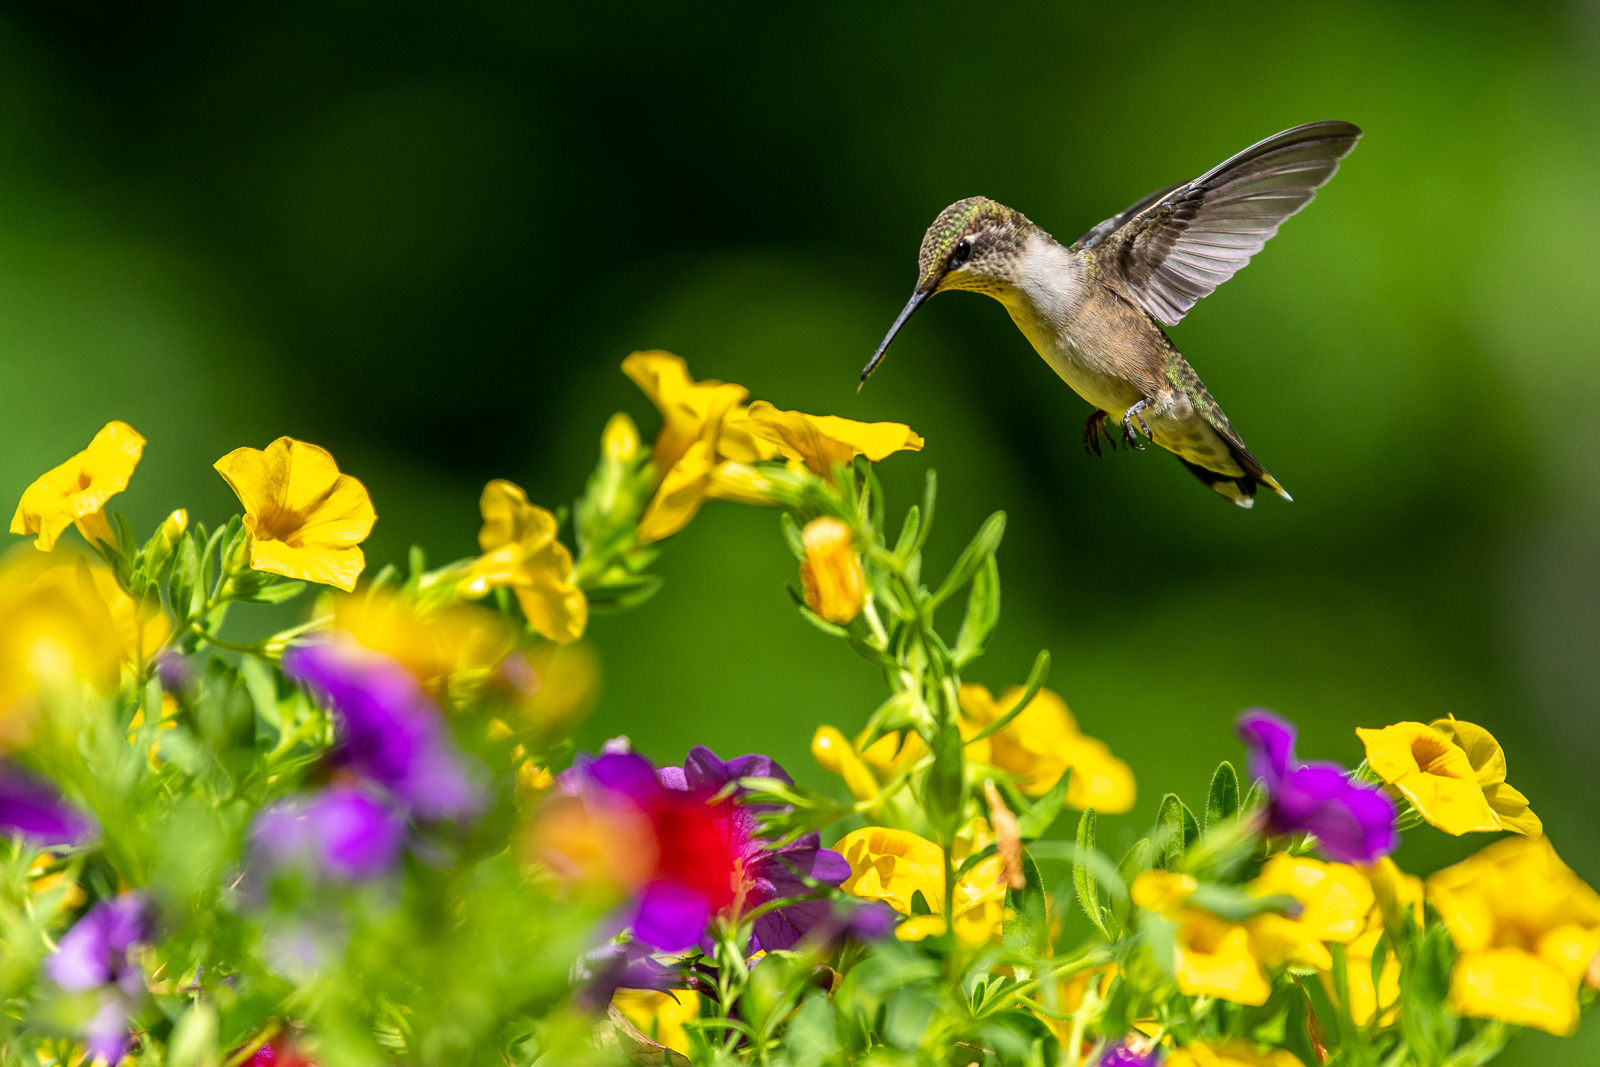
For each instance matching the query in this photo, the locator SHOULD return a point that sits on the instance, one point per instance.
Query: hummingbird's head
(974, 244)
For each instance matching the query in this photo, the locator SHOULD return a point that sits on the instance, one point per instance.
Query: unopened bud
(741, 483)
(620, 440)
(173, 528)
(830, 575)
(836, 755)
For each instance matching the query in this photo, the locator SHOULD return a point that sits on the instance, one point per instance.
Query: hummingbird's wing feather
(1173, 248)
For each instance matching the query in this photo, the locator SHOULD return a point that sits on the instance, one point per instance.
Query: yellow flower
(305, 519)
(830, 575)
(1231, 1054)
(660, 1015)
(1335, 899)
(558, 686)
(1526, 929)
(836, 755)
(822, 441)
(142, 628)
(1489, 764)
(520, 552)
(892, 753)
(1042, 743)
(76, 492)
(894, 865)
(447, 643)
(1163, 892)
(56, 635)
(1429, 769)
(1394, 892)
(1213, 957)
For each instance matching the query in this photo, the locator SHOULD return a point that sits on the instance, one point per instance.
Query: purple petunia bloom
(391, 732)
(345, 831)
(710, 860)
(31, 807)
(97, 954)
(1130, 1053)
(1353, 822)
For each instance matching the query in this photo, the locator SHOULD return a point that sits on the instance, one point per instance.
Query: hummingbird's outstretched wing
(1177, 245)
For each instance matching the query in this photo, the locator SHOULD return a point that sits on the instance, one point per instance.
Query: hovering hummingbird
(1094, 311)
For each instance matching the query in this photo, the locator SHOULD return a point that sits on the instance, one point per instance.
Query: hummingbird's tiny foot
(1129, 436)
(1093, 430)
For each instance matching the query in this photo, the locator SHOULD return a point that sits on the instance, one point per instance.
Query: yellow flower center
(1432, 754)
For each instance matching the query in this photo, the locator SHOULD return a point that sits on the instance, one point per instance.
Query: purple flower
(621, 965)
(32, 807)
(97, 954)
(710, 860)
(1130, 1052)
(1353, 822)
(391, 733)
(344, 831)
(872, 921)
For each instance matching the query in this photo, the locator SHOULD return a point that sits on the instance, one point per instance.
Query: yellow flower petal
(821, 441)
(836, 755)
(142, 629)
(893, 865)
(1162, 891)
(305, 519)
(660, 1016)
(1433, 772)
(686, 405)
(1570, 949)
(1515, 987)
(1336, 900)
(831, 578)
(1231, 1054)
(521, 553)
(1099, 780)
(1513, 810)
(892, 753)
(78, 489)
(686, 486)
(438, 645)
(1483, 751)
(1212, 958)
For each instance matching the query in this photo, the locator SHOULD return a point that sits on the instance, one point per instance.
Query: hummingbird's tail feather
(1239, 488)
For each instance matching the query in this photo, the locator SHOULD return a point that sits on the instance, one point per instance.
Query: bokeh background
(425, 234)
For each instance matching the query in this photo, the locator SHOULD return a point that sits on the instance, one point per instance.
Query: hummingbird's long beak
(916, 301)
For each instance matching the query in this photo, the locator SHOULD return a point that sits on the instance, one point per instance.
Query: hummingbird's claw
(1129, 436)
(1093, 430)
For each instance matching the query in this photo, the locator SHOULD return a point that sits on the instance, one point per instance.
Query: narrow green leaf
(943, 788)
(983, 544)
(831, 629)
(271, 592)
(1027, 933)
(1083, 882)
(1222, 803)
(1179, 830)
(125, 539)
(930, 492)
(1030, 689)
(983, 613)
(185, 580)
(1036, 821)
(908, 532)
(792, 536)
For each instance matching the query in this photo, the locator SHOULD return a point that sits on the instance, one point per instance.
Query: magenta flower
(97, 953)
(31, 807)
(1130, 1052)
(709, 859)
(1353, 822)
(390, 732)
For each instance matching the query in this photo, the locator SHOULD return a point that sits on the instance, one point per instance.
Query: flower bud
(620, 440)
(836, 755)
(830, 575)
(742, 484)
(173, 528)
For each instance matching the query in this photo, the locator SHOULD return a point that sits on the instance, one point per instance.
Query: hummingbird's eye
(962, 252)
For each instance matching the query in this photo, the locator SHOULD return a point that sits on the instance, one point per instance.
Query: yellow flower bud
(836, 755)
(174, 527)
(830, 575)
(740, 483)
(620, 441)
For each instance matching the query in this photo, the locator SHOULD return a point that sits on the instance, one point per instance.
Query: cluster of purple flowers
(97, 954)
(395, 762)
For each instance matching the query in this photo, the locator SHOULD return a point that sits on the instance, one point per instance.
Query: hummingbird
(1095, 310)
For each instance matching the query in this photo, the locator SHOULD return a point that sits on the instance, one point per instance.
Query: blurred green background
(425, 234)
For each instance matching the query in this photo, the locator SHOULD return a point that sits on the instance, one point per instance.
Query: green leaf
(983, 545)
(943, 788)
(1222, 802)
(792, 536)
(983, 613)
(184, 583)
(930, 492)
(1083, 882)
(271, 592)
(1036, 821)
(829, 628)
(1035, 682)
(1179, 830)
(621, 593)
(125, 539)
(908, 532)
(1027, 933)
(1237, 903)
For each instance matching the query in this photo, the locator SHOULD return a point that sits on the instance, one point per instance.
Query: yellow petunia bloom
(894, 865)
(1526, 929)
(75, 493)
(1335, 899)
(57, 635)
(830, 575)
(1213, 957)
(1489, 764)
(557, 684)
(1163, 892)
(822, 441)
(1042, 743)
(305, 519)
(1429, 769)
(1231, 1054)
(521, 553)
(1393, 891)
(441, 645)
(660, 1015)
